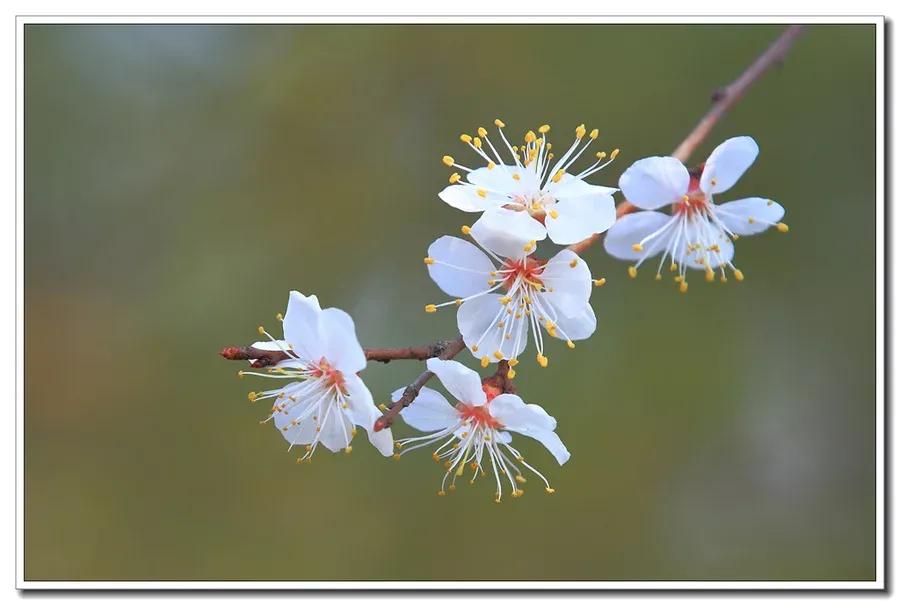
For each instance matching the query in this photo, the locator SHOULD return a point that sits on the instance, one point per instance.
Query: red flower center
(332, 376)
(480, 414)
(528, 269)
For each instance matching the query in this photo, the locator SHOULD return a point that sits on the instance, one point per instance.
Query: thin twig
(262, 358)
(723, 99)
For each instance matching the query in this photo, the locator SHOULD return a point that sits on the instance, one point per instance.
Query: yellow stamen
(580, 131)
(448, 160)
(683, 287)
(465, 138)
(530, 136)
(739, 275)
(632, 271)
(430, 308)
(570, 344)
(542, 360)
(485, 361)
(454, 178)
(482, 132)
(573, 263)
(429, 260)
(511, 374)
(481, 193)
(595, 133)
(498, 354)
(466, 230)
(613, 154)
(549, 490)
(477, 142)
(637, 247)
(554, 214)
(499, 123)
(599, 282)
(782, 227)
(261, 330)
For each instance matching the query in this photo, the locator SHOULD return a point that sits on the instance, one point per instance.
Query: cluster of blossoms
(506, 295)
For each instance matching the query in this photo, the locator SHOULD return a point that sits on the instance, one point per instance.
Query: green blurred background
(180, 180)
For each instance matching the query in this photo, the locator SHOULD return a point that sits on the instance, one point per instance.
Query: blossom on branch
(503, 293)
(537, 184)
(475, 432)
(698, 233)
(325, 399)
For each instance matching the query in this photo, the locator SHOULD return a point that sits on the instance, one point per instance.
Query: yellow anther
(632, 271)
(348, 449)
(614, 154)
(465, 138)
(382, 407)
(481, 192)
(595, 133)
(673, 266)
(477, 142)
(549, 490)
(451, 488)
(505, 300)
(542, 360)
(637, 247)
(782, 227)
(658, 277)
(458, 302)
(448, 160)
(396, 456)
(558, 176)
(580, 131)
(683, 287)
(279, 317)
(751, 220)
(465, 229)
(573, 263)
(454, 178)
(713, 182)
(570, 344)
(251, 396)
(599, 282)
(516, 176)
(492, 282)
(601, 155)
(521, 479)
(485, 361)
(499, 123)
(240, 373)
(529, 246)
(442, 493)
(498, 354)
(678, 279)
(544, 129)
(430, 308)
(511, 374)
(739, 275)
(554, 214)
(530, 137)
(261, 330)
(491, 165)
(710, 275)
(428, 260)
(474, 348)
(482, 132)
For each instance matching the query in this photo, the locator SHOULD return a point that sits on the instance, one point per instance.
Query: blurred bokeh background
(181, 180)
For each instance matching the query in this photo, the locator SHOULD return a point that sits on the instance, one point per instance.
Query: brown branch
(723, 99)
(412, 391)
(264, 359)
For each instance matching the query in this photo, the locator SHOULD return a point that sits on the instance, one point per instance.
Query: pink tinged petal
(301, 326)
(749, 216)
(466, 198)
(727, 163)
(631, 229)
(571, 285)
(530, 420)
(569, 186)
(654, 182)
(461, 268)
(342, 349)
(577, 326)
(580, 217)
(506, 232)
(479, 323)
(460, 381)
(362, 412)
(429, 411)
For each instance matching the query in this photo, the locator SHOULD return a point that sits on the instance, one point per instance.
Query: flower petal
(362, 412)
(466, 198)
(460, 381)
(506, 232)
(570, 186)
(727, 163)
(580, 217)
(295, 434)
(484, 322)
(631, 229)
(336, 431)
(577, 326)
(707, 235)
(750, 215)
(460, 268)
(651, 183)
(530, 420)
(341, 347)
(498, 179)
(429, 411)
(569, 287)
(301, 326)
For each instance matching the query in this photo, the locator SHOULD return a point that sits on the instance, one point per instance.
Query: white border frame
(877, 584)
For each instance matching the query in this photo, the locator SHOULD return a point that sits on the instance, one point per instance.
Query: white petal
(577, 326)
(707, 234)
(631, 229)
(727, 163)
(530, 420)
(301, 326)
(506, 232)
(479, 323)
(569, 186)
(580, 217)
(460, 381)
(498, 179)
(461, 268)
(296, 434)
(651, 183)
(466, 198)
(363, 412)
(571, 286)
(336, 431)
(271, 345)
(342, 349)
(750, 215)
(429, 411)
